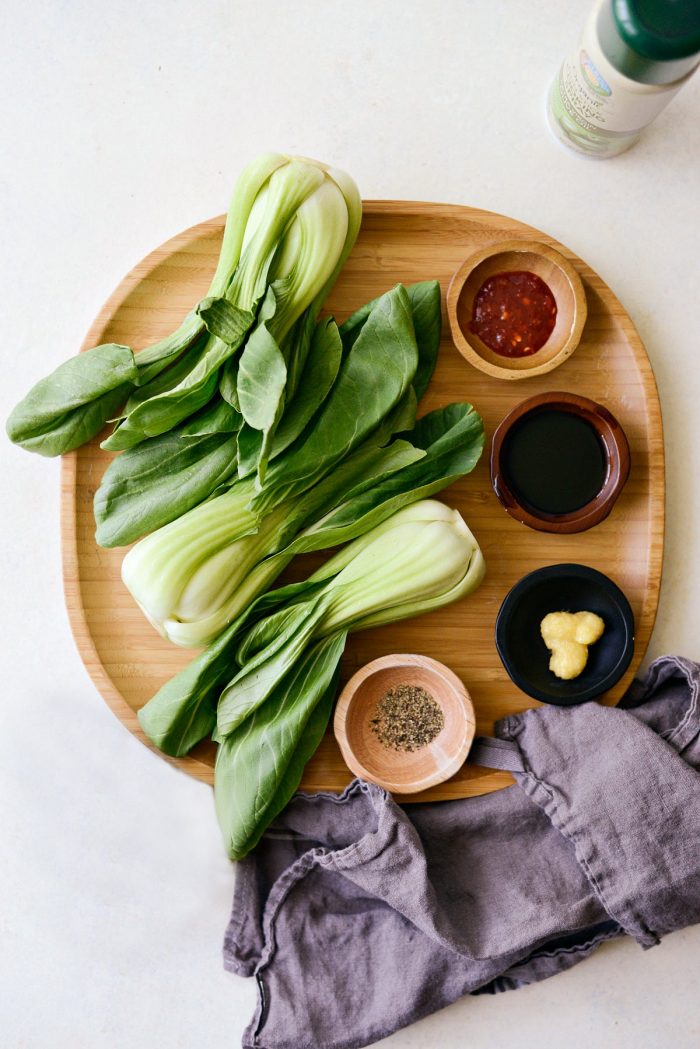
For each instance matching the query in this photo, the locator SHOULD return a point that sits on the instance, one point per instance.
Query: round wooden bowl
(403, 772)
(615, 448)
(560, 276)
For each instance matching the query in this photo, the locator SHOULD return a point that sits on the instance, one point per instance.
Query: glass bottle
(633, 57)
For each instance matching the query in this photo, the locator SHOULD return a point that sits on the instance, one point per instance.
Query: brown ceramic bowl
(403, 772)
(615, 449)
(555, 270)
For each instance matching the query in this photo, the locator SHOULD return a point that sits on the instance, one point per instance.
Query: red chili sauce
(514, 313)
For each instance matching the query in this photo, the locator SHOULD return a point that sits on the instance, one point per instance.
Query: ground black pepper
(407, 718)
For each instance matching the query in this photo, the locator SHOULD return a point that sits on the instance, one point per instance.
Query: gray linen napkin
(357, 916)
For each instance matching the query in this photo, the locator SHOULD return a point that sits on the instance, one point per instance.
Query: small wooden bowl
(566, 287)
(403, 772)
(615, 448)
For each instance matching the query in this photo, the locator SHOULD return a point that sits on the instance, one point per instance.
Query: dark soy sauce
(553, 461)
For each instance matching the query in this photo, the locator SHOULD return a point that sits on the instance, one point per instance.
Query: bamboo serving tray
(399, 241)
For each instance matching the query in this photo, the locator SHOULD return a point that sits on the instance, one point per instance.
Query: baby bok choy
(188, 577)
(291, 236)
(162, 478)
(274, 711)
(291, 225)
(265, 687)
(196, 575)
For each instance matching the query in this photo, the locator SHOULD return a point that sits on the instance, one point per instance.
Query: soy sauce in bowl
(553, 461)
(559, 462)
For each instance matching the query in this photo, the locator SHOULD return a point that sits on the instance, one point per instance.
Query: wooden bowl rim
(611, 435)
(353, 689)
(463, 341)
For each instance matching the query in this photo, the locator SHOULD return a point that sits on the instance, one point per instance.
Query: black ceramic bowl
(564, 588)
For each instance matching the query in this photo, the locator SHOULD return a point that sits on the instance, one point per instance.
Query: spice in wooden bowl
(407, 718)
(405, 722)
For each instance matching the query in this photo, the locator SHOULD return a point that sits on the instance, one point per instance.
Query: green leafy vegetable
(427, 322)
(281, 640)
(183, 711)
(262, 379)
(346, 490)
(291, 224)
(298, 229)
(217, 417)
(225, 322)
(419, 559)
(259, 767)
(163, 410)
(158, 481)
(452, 439)
(385, 347)
(71, 405)
(175, 727)
(283, 653)
(362, 491)
(320, 372)
(228, 383)
(424, 298)
(156, 358)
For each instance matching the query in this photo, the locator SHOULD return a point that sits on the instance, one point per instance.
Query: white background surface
(123, 124)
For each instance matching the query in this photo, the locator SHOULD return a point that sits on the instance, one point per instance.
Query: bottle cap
(662, 30)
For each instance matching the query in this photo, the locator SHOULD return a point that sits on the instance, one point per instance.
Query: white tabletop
(125, 123)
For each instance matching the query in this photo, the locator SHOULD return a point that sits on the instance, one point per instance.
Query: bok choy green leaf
(158, 481)
(70, 406)
(259, 767)
(385, 347)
